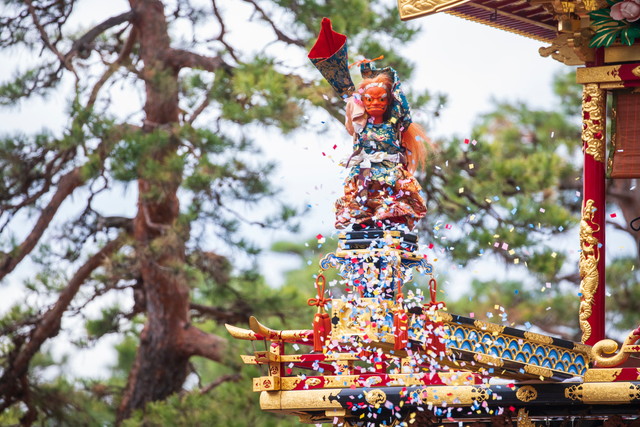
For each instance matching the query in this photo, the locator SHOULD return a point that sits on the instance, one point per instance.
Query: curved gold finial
(278, 335)
(589, 256)
(242, 334)
(603, 351)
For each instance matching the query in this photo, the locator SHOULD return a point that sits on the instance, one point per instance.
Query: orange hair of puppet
(414, 138)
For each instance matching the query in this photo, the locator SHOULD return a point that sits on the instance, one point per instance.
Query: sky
(471, 63)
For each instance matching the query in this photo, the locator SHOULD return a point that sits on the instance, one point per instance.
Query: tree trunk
(160, 367)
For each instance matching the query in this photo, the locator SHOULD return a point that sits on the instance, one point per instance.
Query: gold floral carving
(636, 71)
(489, 360)
(523, 419)
(312, 382)
(574, 393)
(601, 375)
(609, 393)
(603, 351)
(527, 393)
(414, 8)
(538, 338)
(538, 370)
(589, 256)
(593, 109)
(489, 327)
(375, 397)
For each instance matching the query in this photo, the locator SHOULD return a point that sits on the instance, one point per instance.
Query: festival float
(378, 354)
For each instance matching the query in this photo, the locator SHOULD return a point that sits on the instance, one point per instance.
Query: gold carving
(601, 375)
(589, 256)
(300, 400)
(610, 393)
(489, 327)
(527, 393)
(569, 48)
(603, 348)
(275, 335)
(593, 108)
(444, 316)
(537, 338)
(604, 74)
(574, 393)
(636, 71)
(523, 419)
(375, 397)
(312, 382)
(489, 360)
(410, 9)
(538, 370)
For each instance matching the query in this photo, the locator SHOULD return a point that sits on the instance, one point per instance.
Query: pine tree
(185, 150)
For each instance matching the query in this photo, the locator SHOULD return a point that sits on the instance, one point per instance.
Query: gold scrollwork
(527, 393)
(603, 348)
(538, 370)
(523, 419)
(601, 375)
(574, 393)
(589, 256)
(489, 327)
(538, 338)
(489, 360)
(312, 382)
(375, 397)
(593, 108)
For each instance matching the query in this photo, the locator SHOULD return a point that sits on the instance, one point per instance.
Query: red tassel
(400, 329)
(321, 330)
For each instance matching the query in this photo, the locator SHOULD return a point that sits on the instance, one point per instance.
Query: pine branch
(49, 324)
(67, 184)
(220, 380)
(180, 58)
(281, 36)
(81, 46)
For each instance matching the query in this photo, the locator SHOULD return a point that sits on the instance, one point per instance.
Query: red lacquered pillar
(592, 224)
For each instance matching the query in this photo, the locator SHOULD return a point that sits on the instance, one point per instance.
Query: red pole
(592, 224)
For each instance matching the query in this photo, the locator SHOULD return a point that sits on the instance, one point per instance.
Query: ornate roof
(530, 18)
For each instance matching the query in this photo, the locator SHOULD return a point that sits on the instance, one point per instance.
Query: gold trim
(538, 370)
(489, 327)
(538, 338)
(574, 393)
(603, 348)
(620, 54)
(454, 396)
(589, 257)
(523, 419)
(601, 375)
(604, 74)
(488, 360)
(375, 397)
(411, 9)
(241, 333)
(527, 393)
(300, 400)
(593, 130)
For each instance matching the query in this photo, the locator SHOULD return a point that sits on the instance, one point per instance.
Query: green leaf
(600, 14)
(605, 36)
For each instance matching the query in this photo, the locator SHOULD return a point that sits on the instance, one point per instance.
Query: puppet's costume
(379, 190)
